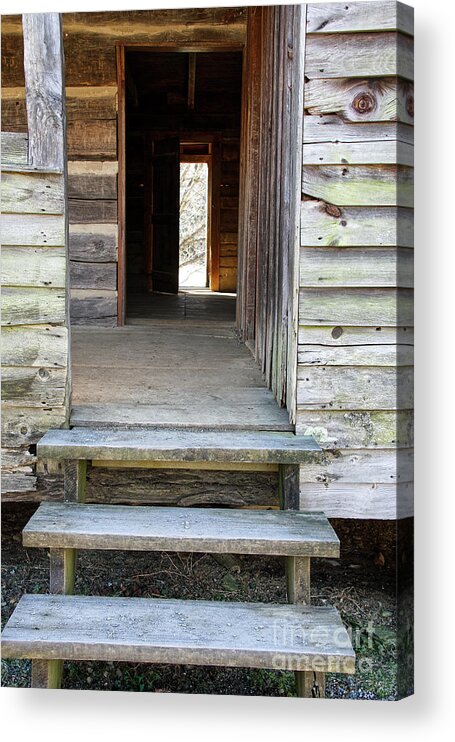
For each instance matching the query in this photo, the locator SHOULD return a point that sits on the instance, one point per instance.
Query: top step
(142, 444)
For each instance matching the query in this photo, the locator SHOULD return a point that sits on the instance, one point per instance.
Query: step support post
(309, 684)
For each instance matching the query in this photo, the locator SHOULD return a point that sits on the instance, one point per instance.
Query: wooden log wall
(35, 377)
(92, 102)
(354, 391)
(229, 213)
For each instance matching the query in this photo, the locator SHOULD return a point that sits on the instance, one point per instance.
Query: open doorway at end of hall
(181, 169)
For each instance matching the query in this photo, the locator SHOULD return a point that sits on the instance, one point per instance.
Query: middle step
(213, 530)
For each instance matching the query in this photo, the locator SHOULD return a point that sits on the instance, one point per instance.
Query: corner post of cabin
(46, 120)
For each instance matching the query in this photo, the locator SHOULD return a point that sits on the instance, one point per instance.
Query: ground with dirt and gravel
(362, 590)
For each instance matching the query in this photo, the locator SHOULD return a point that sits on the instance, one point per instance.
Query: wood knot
(332, 210)
(364, 103)
(337, 332)
(410, 106)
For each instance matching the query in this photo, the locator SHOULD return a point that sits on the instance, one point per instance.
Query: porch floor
(177, 363)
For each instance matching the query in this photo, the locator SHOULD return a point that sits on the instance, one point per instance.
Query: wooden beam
(44, 89)
(191, 79)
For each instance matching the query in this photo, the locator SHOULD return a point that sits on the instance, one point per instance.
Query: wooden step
(214, 530)
(142, 444)
(178, 632)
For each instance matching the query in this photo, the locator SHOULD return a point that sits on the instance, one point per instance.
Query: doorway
(181, 115)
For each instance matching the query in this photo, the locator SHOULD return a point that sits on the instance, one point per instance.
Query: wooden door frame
(121, 49)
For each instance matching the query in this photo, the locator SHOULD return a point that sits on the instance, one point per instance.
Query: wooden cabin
(303, 116)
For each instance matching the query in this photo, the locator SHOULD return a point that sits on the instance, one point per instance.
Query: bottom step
(261, 635)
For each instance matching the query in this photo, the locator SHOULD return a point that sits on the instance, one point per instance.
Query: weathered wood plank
(360, 185)
(366, 501)
(25, 426)
(42, 345)
(33, 266)
(357, 429)
(32, 193)
(375, 307)
(359, 55)
(33, 306)
(89, 305)
(17, 458)
(355, 266)
(360, 16)
(356, 346)
(180, 445)
(14, 148)
(360, 466)
(94, 243)
(196, 632)
(33, 230)
(44, 88)
(214, 530)
(92, 211)
(319, 129)
(87, 180)
(363, 101)
(20, 484)
(359, 153)
(32, 387)
(326, 224)
(356, 388)
(93, 275)
(92, 139)
(82, 103)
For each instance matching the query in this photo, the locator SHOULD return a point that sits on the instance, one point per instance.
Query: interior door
(165, 215)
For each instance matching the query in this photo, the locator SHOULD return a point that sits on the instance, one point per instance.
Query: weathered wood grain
(32, 306)
(360, 466)
(34, 267)
(355, 346)
(92, 211)
(357, 429)
(180, 445)
(42, 345)
(359, 153)
(97, 180)
(89, 305)
(33, 230)
(82, 103)
(17, 458)
(355, 388)
(352, 100)
(355, 266)
(93, 243)
(32, 387)
(19, 484)
(366, 501)
(25, 426)
(330, 128)
(213, 530)
(169, 631)
(44, 89)
(360, 16)
(93, 275)
(325, 224)
(373, 307)
(32, 193)
(14, 148)
(360, 185)
(92, 139)
(359, 55)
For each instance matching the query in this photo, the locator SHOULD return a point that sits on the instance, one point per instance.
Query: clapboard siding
(355, 349)
(35, 389)
(361, 227)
